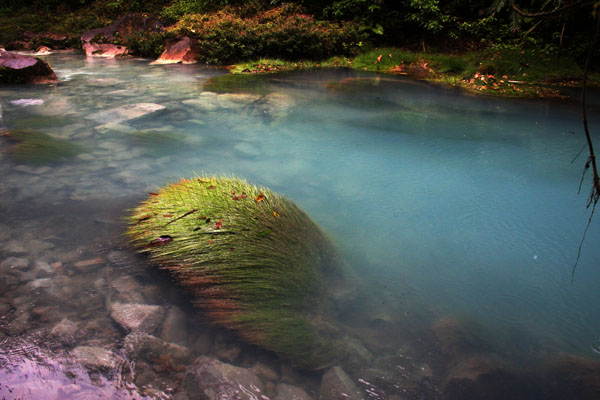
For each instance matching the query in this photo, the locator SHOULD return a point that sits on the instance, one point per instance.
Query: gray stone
(210, 379)
(14, 247)
(174, 327)
(143, 347)
(126, 113)
(42, 269)
(337, 385)
(289, 392)
(17, 263)
(96, 358)
(137, 317)
(65, 329)
(265, 372)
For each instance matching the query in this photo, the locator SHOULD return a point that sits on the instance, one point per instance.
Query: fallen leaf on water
(167, 215)
(210, 242)
(260, 197)
(153, 194)
(276, 214)
(219, 224)
(211, 187)
(203, 217)
(145, 218)
(233, 192)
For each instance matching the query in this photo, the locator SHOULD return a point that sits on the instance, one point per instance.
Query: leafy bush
(147, 44)
(225, 36)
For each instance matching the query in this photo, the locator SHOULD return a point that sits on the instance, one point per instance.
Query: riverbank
(497, 71)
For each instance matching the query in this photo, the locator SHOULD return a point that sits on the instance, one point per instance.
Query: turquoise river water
(460, 215)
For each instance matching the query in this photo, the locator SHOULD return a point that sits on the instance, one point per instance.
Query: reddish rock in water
(105, 50)
(181, 51)
(17, 68)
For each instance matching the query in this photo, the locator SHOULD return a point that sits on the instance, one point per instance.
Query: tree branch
(543, 13)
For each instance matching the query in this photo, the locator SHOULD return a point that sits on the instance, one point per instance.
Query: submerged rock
(289, 392)
(126, 113)
(140, 346)
(96, 358)
(17, 68)
(254, 262)
(181, 51)
(210, 379)
(337, 385)
(137, 317)
(34, 147)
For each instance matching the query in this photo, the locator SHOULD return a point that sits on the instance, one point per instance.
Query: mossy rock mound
(254, 262)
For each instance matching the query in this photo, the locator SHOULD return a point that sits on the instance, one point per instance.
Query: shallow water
(459, 213)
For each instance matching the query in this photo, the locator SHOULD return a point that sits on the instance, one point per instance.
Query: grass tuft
(252, 259)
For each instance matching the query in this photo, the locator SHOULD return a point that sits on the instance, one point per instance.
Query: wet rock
(229, 353)
(42, 269)
(137, 317)
(126, 113)
(96, 358)
(104, 50)
(481, 378)
(454, 338)
(336, 384)
(5, 231)
(143, 347)
(174, 327)
(14, 263)
(210, 379)
(125, 289)
(65, 330)
(289, 392)
(206, 101)
(42, 51)
(17, 68)
(50, 40)
(265, 372)
(181, 51)
(14, 247)
(39, 283)
(46, 313)
(237, 100)
(358, 354)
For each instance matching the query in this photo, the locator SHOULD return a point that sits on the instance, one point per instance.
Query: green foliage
(428, 15)
(225, 36)
(253, 261)
(147, 44)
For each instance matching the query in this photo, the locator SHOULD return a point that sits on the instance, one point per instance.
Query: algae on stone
(253, 260)
(34, 147)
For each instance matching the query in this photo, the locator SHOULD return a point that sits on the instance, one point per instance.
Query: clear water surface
(459, 214)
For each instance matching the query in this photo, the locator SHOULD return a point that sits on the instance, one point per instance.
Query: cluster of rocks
(92, 313)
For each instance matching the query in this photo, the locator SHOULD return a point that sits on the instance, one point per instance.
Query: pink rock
(105, 50)
(181, 51)
(43, 50)
(17, 68)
